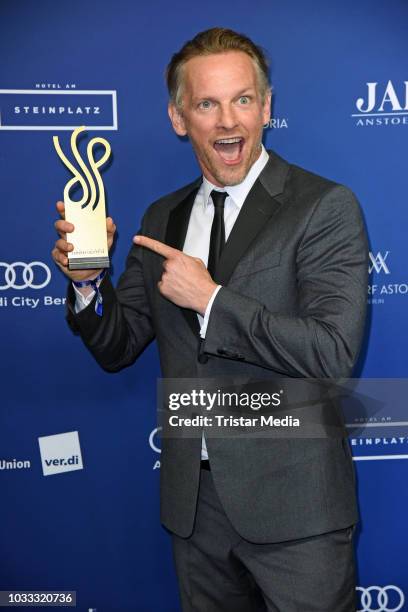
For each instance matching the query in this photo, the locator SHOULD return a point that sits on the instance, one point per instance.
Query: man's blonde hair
(210, 42)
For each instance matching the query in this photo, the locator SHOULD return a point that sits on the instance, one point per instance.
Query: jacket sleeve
(323, 338)
(125, 328)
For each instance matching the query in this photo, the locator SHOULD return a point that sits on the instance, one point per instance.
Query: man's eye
(205, 104)
(244, 100)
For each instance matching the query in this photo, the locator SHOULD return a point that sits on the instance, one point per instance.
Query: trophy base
(88, 263)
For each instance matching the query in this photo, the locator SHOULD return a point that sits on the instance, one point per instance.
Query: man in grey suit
(256, 270)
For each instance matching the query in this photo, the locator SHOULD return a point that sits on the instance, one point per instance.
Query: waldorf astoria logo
(384, 282)
(382, 104)
(378, 262)
(54, 109)
(277, 123)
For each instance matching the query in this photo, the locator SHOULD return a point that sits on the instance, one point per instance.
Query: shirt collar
(238, 193)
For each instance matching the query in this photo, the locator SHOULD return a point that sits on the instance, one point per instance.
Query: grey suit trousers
(219, 571)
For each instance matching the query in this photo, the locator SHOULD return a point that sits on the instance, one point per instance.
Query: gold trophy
(88, 214)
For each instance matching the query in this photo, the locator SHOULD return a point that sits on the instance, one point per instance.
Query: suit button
(202, 357)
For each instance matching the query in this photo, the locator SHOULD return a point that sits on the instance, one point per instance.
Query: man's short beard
(227, 179)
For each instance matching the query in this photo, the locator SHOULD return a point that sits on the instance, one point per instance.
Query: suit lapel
(175, 236)
(260, 205)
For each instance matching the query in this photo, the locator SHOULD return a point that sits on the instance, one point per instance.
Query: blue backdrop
(96, 530)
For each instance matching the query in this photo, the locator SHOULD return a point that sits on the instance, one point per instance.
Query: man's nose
(227, 117)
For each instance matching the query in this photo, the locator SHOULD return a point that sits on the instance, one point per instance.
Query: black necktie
(217, 240)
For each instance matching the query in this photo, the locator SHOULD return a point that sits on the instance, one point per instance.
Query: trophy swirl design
(88, 214)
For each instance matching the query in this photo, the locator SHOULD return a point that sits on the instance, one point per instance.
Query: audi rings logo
(389, 598)
(21, 275)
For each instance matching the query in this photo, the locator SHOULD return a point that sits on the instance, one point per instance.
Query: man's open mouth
(230, 149)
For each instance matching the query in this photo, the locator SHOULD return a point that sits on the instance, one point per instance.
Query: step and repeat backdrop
(79, 448)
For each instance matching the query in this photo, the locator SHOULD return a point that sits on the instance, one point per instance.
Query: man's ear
(177, 120)
(266, 111)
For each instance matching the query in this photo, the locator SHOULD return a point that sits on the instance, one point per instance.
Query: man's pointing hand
(185, 280)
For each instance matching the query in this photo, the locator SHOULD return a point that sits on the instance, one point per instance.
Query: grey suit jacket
(294, 277)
